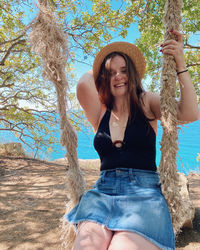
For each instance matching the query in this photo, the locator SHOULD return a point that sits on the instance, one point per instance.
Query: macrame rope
(179, 209)
(49, 41)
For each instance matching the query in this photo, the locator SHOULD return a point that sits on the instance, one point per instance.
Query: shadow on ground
(32, 202)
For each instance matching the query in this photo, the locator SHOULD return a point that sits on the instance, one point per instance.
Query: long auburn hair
(135, 88)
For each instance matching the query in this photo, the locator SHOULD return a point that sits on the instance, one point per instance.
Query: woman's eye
(112, 73)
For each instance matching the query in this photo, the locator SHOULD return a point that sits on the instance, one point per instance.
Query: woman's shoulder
(149, 96)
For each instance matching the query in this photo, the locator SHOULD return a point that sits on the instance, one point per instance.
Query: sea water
(188, 143)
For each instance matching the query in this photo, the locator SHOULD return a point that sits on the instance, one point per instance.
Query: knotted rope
(49, 41)
(179, 210)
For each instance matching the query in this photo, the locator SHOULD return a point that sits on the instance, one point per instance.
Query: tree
(152, 30)
(28, 103)
(25, 103)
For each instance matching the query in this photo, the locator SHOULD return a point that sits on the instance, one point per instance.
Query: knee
(84, 242)
(92, 236)
(130, 241)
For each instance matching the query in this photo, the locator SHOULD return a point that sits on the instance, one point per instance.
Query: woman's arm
(187, 109)
(188, 105)
(88, 98)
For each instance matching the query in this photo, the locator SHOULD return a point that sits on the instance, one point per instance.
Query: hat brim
(124, 47)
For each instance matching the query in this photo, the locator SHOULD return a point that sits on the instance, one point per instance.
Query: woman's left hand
(175, 48)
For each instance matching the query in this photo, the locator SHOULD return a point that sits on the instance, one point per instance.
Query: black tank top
(138, 150)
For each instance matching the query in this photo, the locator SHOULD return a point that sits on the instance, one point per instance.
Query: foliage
(28, 103)
(152, 31)
(90, 26)
(198, 157)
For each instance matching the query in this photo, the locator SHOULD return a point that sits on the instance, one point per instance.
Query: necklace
(117, 123)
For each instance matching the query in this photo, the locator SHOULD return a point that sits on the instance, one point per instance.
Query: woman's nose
(118, 75)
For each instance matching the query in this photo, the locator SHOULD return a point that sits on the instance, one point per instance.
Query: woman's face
(118, 76)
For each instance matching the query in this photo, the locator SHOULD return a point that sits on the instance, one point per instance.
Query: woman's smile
(119, 85)
(119, 78)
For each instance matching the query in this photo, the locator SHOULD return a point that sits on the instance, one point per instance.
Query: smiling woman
(118, 76)
(119, 110)
(124, 117)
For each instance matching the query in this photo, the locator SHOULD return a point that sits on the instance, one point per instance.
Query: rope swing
(180, 210)
(49, 41)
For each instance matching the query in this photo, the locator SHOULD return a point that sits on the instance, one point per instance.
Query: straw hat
(127, 48)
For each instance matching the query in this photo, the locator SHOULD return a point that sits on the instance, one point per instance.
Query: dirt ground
(32, 201)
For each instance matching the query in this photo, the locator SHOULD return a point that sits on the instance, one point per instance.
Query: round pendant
(115, 124)
(118, 143)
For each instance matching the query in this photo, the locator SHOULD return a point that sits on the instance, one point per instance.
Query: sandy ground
(32, 201)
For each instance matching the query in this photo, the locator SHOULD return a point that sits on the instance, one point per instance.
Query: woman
(126, 210)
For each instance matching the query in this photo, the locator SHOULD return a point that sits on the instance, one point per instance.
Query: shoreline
(97, 161)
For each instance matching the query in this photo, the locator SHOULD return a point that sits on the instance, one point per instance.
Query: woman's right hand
(175, 48)
(88, 98)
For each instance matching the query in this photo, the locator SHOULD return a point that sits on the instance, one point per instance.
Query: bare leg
(130, 241)
(92, 236)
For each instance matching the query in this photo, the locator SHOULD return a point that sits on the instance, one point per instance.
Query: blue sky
(81, 68)
(133, 34)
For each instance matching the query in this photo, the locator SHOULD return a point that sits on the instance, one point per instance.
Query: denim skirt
(127, 200)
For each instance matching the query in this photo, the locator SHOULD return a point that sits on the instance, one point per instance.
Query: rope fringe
(180, 210)
(49, 41)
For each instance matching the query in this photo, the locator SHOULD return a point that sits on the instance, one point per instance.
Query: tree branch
(20, 130)
(6, 85)
(21, 95)
(191, 46)
(6, 10)
(15, 51)
(9, 51)
(44, 114)
(193, 64)
(13, 40)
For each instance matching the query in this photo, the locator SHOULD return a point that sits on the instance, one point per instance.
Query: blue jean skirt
(128, 200)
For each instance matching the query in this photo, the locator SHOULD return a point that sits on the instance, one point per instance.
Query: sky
(133, 34)
(86, 65)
